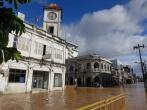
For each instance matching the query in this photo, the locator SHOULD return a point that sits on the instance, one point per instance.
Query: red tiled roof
(53, 6)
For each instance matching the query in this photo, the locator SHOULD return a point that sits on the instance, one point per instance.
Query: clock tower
(52, 19)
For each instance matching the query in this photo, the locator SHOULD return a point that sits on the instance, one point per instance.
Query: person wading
(76, 83)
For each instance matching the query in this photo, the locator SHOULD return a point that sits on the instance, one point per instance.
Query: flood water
(70, 98)
(136, 97)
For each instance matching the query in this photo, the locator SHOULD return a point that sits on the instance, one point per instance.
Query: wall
(2, 83)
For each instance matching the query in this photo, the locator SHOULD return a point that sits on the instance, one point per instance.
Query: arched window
(71, 68)
(88, 65)
(71, 81)
(96, 65)
(101, 65)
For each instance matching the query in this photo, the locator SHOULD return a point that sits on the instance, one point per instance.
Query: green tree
(10, 23)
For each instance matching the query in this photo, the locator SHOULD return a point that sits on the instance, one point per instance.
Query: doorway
(79, 82)
(40, 79)
(71, 82)
(89, 82)
(97, 81)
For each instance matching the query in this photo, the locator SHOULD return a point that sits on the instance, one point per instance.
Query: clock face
(52, 15)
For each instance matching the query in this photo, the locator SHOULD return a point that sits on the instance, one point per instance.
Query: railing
(113, 103)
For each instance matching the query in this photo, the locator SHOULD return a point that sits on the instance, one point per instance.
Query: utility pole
(142, 64)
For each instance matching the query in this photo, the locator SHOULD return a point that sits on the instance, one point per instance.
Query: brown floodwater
(70, 98)
(136, 97)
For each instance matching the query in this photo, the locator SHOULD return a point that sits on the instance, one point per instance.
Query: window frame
(59, 75)
(88, 65)
(15, 75)
(51, 29)
(96, 65)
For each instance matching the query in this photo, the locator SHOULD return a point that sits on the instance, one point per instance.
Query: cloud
(137, 9)
(110, 32)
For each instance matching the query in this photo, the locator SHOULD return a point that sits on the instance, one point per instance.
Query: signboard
(21, 16)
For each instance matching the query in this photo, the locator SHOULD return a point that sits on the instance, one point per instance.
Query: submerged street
(70, 99)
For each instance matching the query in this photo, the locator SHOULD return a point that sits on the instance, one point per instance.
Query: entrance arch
(97, 81)
(89, 82)
(79, 82)
(71, 81)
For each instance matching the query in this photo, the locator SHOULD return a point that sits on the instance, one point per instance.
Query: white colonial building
(89, 70)
(44, 52)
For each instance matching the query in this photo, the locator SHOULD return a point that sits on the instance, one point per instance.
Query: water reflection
(71, 98)
(136, 97)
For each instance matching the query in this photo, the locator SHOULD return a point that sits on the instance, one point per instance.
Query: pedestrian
(75, 83)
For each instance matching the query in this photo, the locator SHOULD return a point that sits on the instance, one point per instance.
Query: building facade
(123, 74)
(89, 70)
(44, 52)
(129, 74)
